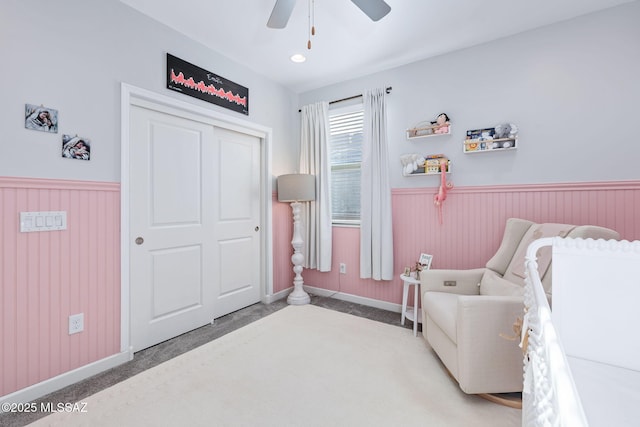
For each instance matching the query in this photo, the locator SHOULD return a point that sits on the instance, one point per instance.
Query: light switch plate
(43, 221)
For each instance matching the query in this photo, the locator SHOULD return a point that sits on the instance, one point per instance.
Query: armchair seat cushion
(443, 310)
(493, 284)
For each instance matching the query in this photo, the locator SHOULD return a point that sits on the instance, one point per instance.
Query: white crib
(582, 360)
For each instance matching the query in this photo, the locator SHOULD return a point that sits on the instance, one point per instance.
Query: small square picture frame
(75, 147)
(425, 261)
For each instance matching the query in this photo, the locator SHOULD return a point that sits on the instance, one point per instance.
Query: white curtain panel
(376, 233)
(314, 159)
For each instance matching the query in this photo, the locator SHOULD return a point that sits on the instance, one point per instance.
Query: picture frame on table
(425, 261)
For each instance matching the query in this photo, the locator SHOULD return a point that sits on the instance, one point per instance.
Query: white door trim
(130, 94)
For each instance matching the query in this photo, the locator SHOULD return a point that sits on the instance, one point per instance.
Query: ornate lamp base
(298, 296)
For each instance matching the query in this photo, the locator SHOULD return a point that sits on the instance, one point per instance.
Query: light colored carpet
(301, 366)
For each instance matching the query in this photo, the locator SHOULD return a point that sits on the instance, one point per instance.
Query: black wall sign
(202, 84)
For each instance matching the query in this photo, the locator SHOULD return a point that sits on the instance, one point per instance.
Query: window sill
(346, 224)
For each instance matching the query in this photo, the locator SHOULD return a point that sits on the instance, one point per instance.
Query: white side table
(412, 313)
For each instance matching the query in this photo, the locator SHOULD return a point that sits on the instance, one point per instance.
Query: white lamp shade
(297, 187)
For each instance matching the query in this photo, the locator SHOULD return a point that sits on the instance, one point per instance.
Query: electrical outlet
(343, 268)
(76, 323)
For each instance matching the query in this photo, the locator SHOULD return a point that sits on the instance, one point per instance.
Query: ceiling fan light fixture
(298, 58)
(281, 13)
(374, 9)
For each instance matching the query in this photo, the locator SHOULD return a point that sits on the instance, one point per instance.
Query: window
(345, 142)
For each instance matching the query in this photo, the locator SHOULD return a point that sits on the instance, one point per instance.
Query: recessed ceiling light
(298, 57)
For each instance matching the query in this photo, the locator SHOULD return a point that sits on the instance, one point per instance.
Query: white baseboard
(268, 299)
(369, 302)
(43, 388)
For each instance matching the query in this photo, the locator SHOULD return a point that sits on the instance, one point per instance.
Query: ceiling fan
(374, 9)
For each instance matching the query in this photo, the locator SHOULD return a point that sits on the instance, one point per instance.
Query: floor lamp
(296, 188)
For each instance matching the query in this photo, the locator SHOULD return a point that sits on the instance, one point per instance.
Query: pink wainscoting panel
(47, 276)
(474, 219)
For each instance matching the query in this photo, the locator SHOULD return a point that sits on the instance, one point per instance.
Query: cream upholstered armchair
(469, 314)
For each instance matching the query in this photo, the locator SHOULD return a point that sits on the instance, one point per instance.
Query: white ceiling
(347, 43)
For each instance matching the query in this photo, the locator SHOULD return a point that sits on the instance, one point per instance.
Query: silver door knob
(139, 240)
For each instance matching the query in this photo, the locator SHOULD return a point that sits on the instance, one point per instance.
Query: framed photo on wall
(425, 261)
(75, 147)
(39, 117)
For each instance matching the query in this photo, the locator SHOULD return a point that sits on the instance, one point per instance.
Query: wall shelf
(431, 166)
(485, 146)
(426, 131)
(488, 139)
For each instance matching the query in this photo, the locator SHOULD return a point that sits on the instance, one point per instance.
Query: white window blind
(345, 133)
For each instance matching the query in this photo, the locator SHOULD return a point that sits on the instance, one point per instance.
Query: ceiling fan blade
(374, 9)
(281, 13)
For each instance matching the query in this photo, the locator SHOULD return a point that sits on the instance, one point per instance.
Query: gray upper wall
(72, 55)
(572, 88)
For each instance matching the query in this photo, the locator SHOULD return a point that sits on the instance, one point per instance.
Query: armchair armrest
(486, 351)
(465, 282)
(496, 310)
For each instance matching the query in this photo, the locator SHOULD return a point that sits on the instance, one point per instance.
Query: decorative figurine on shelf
(441, 125)
(411, 163)
(506, 130)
